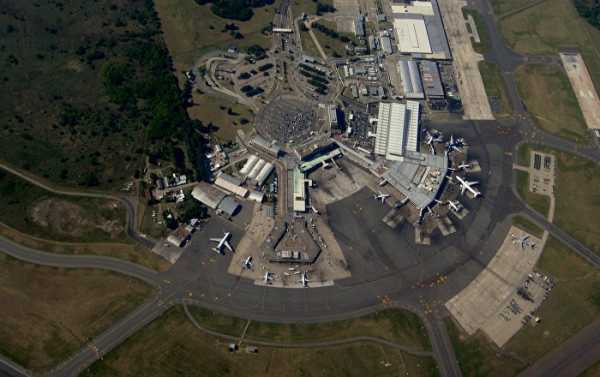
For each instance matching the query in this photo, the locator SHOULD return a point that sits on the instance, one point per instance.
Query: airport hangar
(420, 30)
(419, 176)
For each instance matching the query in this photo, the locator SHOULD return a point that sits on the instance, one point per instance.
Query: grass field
(572, 304)
(550, 26)
(35, 211)
(549, 98)
(49, 313)
(333, 47)
(308, 45)
(502, 7)
(57, 119)
(540, 203)
(484, 39)
(528, 226)
(494, 86)
(130, 252)
(478, 357)
(212, 109)
(577, 202)
(396, 325)
(191, 30)
(172, 346)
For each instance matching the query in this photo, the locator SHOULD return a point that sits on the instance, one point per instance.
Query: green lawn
(396, 325)
(528, 226)
(172, 346)
(484, 39)
(50, 313)
(572, 304)
(576, 189)
(35, 211)
(213, 109)
(191, 30)
(478, 357)
(494, 85)
(549, 98)
(505, 6)
(550, 26)
(540, 203)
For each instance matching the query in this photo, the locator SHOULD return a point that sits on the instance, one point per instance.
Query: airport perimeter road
(79, 261)
(127, 201)
(10, 369)
(571, 359)
(442, 348)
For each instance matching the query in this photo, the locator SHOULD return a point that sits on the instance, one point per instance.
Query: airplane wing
(228, 246)
(472, 183)
(463, 188)
(215, 239)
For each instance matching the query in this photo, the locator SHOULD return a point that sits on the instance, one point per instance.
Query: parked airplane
(247, 264)
(431, 138)
(381, 196)
(455, 205)
(461, 167)
(268, 278)
(304, 280)
(522, 241)
(468, 186)
(455, 144)
(222, 242)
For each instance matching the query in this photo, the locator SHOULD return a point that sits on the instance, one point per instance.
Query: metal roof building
(229, 206)
(359, 25)
(419, 176)
(432, 82)
(256, 169)
(411, 34)
(231, 184)
(257, 196)
(429, 13)
(245, 170)
(272, 148)
(397, 129)
(208, 195)
(299, 202)
(386, 45)
(411, 80)
(264, 173)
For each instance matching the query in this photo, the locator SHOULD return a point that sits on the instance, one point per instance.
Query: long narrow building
(397, 130)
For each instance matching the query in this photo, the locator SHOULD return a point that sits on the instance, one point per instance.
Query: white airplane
(247, 264)
(381, 196)
(461, 167)
(268, 278)
(304, 280)
(468, 186)
(522, 241)
(222, 242)
(455, 205)
(431, 138)
(454, 144)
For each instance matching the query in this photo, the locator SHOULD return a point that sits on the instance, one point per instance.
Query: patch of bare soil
(66, 218)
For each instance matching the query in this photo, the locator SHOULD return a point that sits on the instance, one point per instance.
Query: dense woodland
(590, 10)
(240, 10)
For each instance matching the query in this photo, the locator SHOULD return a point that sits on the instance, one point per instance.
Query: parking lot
(287, 119)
